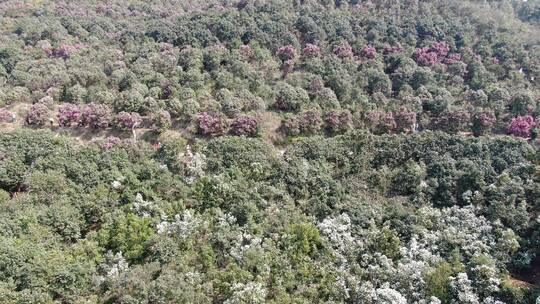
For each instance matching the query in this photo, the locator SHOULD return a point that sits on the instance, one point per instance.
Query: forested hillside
(277, 151)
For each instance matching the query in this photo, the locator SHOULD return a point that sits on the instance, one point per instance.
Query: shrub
(307, 122)
(392, 49)
(38, 115)
(521, 126)
(68, 114)
(246, 51)
(523, 103)
(96, 116)
(245, 125)
(128, 121)
(211, 124)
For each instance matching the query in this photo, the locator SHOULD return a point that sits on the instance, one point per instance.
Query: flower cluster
(110, 142)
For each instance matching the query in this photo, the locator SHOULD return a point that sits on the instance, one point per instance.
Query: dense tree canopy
(253, 151)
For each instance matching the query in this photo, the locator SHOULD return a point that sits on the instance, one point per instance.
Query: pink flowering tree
(246, 51)
(211, 124)
(38, 115)
(96, 116)
(129, 121)
(110, 142)
(452, 121)
(6, 116)
(428, 56)
(381, 122)
(68, 114)
(338, 121)
(245, 125)
(343, 50)
(393, 49)
(521, 126)
(482, 122)
(311, 50)
(369, 52)
(405, 119)
(286, 52)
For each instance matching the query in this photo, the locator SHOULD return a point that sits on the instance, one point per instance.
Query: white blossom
(251, 292)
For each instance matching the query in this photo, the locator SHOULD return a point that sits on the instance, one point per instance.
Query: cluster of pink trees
(216, 124)
(64, 50)
(401, 120)
(245, 125)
